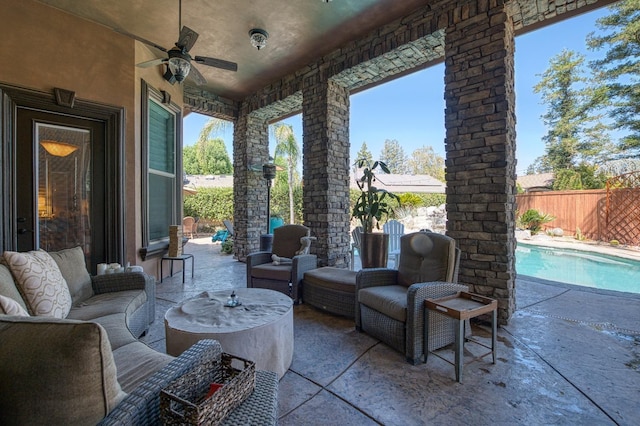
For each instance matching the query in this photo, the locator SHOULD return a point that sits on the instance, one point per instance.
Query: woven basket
(184, 401)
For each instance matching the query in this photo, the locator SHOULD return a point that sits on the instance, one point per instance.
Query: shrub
(533, 220)
(227, 246)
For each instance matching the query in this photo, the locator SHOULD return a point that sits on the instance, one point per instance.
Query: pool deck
(568, 356)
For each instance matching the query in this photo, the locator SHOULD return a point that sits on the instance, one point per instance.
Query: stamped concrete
(567, 356)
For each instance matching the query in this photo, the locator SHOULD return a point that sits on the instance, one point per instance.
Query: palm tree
(287, 146)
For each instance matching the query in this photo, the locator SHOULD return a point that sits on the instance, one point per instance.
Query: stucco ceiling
(299, 30)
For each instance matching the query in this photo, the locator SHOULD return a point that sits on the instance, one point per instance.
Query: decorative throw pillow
(40, 282)
(8, 306)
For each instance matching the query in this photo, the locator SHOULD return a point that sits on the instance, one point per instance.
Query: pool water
(578, 267)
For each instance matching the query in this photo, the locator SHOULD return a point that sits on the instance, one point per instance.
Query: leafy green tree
(394, 157)
(209, 155)
(424, 161)
(207, 158)
(571, 117)
(620, 68)
(287, 148)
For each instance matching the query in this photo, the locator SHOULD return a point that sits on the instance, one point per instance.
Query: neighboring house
(399, 184)
(536, 183)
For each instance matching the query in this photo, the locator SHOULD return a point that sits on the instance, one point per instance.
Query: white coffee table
(260, 330)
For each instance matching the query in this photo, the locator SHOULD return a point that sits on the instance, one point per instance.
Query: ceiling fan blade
(187, 38)
(140, 39)
(218, 63)
(196, 77)
(152, 63)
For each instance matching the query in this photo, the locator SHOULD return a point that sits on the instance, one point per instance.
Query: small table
(462, 306)
(181, 258)
(260, 329)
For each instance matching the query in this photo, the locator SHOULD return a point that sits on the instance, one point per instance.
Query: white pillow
(40, 282)
(8, 306)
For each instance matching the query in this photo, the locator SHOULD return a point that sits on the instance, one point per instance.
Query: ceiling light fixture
(258, 38)
(179, 63)
(59, 149)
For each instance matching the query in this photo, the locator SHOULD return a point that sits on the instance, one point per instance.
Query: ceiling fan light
(258, 38)
(179, 67)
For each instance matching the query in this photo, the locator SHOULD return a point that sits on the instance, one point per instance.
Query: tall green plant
(373, 202)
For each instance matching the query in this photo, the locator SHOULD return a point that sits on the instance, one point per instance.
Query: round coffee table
(260, 330)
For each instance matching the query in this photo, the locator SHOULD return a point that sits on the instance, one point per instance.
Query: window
(161, 167)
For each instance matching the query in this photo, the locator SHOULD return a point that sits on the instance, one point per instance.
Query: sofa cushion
(390, 300)
(8, 306)
(8, 286)
(117, 330)
(61, 372)
(73, 266)
(40, 283)
(117, 302)
(137, 362)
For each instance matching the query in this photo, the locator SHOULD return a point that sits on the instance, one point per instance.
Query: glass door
(64, 191)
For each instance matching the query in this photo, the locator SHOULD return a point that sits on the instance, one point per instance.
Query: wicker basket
(185, 402)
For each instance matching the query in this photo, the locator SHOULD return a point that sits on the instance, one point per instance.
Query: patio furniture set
(50, 303)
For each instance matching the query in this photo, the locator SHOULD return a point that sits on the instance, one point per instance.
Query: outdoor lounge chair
(282, 268)
(390, 303)
(395, 230)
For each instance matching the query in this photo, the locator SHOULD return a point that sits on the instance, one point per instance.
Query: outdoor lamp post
(268, 172)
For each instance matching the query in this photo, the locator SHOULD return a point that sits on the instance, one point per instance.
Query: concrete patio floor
(568, 356)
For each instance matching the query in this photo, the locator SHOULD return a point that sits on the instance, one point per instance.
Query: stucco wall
(44, 48)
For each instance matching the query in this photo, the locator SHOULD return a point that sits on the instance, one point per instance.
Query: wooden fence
(589, 212)
(573, 210)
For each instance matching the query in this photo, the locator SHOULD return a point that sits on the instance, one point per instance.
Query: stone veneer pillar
(325, 124)
(480, 145)
(250, 147)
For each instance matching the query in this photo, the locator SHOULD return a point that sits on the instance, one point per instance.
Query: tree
(424, 161)
(207, 157)
(393, 156)
(620, 68)
(287, 146)
(364, 153)
(573, 123)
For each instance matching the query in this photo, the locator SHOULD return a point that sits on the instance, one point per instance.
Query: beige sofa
(69, 352)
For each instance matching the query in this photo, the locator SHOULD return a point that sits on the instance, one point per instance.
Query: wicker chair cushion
(286, 240)
(391, 300)
(272, 272)
(65, 374)
(73, 267)
(426, 257)
(332, 278)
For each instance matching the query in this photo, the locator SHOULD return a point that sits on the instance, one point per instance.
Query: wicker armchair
(285, 272)
(390, 303)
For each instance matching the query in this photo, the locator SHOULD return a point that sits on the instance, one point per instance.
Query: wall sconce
(258, 38)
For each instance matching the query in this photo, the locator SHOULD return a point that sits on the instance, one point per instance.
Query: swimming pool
(578, 267)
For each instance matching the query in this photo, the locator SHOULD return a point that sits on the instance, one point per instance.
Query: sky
(410, 109)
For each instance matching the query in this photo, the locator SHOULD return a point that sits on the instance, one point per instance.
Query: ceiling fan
(178, 59)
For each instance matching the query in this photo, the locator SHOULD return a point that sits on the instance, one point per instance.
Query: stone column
(325, 123)
(480, 145)
(250, 148)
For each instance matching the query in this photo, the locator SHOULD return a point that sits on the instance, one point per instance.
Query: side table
(462, 306)
(181, 258)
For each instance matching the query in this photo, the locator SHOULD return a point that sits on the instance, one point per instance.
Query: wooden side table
(181, 258)
(462, 306)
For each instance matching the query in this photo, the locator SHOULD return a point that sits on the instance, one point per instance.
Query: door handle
(22, 231)
(22, 219)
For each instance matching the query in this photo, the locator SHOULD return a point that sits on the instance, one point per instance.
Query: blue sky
(411, 109)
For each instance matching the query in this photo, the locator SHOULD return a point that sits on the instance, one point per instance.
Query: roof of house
(538, 182)
(399, 184)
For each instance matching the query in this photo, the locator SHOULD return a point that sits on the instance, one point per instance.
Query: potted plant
(370, 207)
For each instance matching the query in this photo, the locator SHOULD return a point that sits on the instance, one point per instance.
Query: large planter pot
(374, 250)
